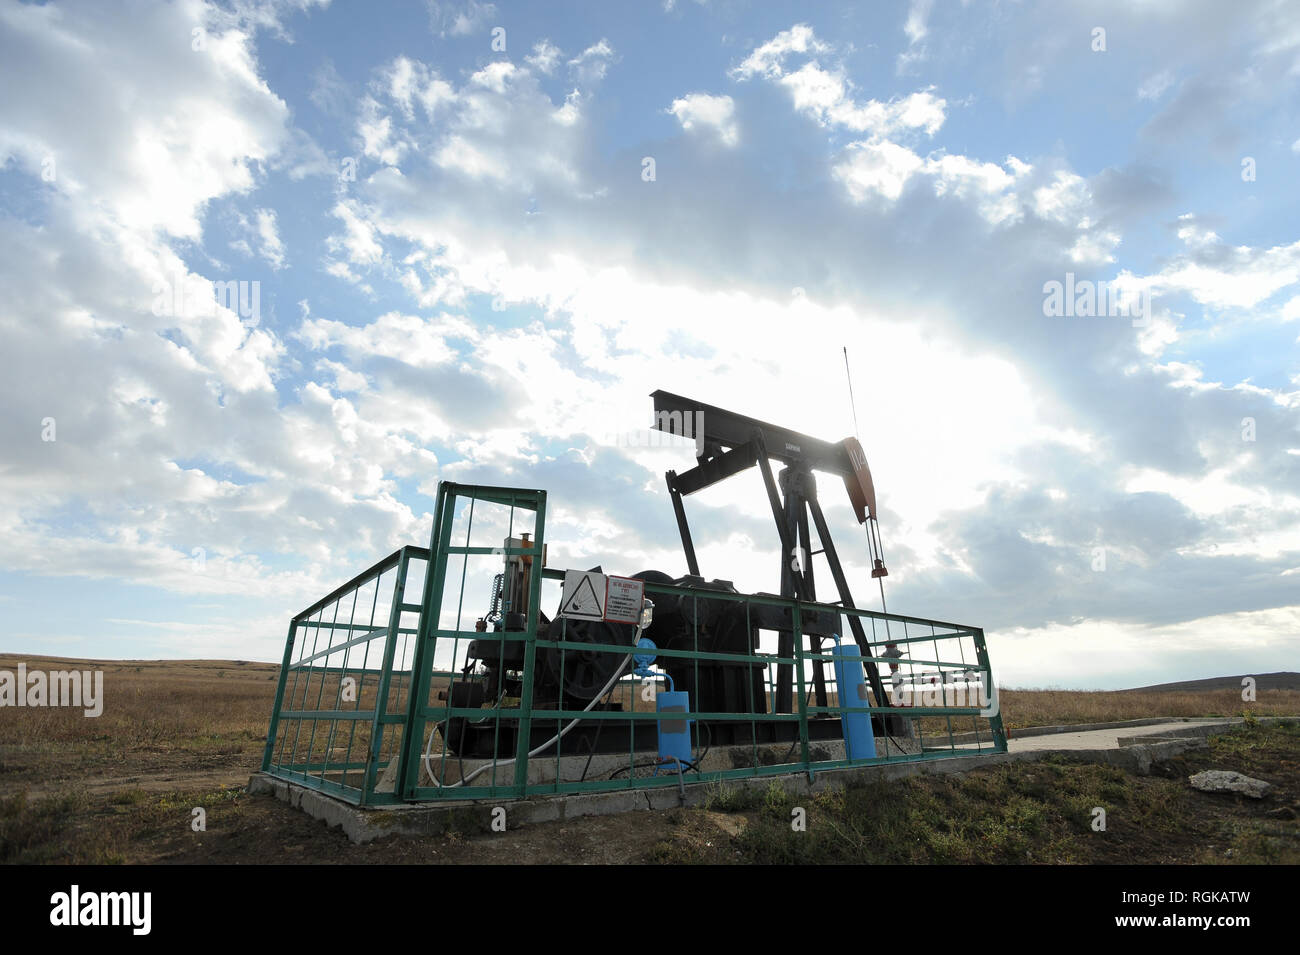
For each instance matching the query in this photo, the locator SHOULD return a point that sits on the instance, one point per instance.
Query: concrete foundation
(543, 769)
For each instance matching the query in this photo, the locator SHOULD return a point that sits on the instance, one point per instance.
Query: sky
(464, 241)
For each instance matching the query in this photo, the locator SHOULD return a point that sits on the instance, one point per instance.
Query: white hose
(594, 700)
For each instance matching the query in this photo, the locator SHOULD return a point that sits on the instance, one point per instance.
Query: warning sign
(623, 597)
(588, 595)
(583, 596)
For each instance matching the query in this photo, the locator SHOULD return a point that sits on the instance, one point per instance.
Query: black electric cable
(790, 751)
(688, 767)
(633, 766)
(600, 724)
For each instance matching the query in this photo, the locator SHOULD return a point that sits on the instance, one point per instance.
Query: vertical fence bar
(361, 692)
(378, 724)
(279, 695)
(995, 720)
(422, 662)
(530, 653)
(797, 624)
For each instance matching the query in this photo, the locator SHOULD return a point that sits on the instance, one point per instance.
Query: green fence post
(530, 648)
(279, 695)
(995, 720)
(803, 693)
(425, 644)
(385, 678)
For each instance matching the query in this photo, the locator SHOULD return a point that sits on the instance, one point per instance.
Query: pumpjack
(570, 677)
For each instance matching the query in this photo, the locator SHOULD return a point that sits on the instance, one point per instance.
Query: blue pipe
(859, 737)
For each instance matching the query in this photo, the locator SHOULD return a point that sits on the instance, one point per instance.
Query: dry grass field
(179, 734)
(1023, 708)
(163, 722)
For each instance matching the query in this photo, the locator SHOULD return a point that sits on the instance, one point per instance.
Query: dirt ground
(1022, 813)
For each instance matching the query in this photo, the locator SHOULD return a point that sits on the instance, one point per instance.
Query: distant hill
(1263, 681)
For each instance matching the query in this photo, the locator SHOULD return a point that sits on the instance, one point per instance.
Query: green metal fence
(341, 704)
(381, 700)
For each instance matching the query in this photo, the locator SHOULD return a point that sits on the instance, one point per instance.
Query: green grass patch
(34, 832)
(1047, 811)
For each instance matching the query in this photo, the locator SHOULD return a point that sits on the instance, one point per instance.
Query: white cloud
(918, 12)
(987, 185)
(713, 112)
(879, 168)
(270, 247)
(571, 111)
(1064, 200)
(345, 379)
(590, 66)
(402, 83)
(768, 59)
(459, 18)
(485, 130)
(916, 29)
(406, 338)
(460, 155)
(1214, 274)
(156, 166)
(377, 137)
(359, 240)
(545, 56)
(495, 76)
(823, 96)
(827, 95)
(163, 380)
(1154, 86)
(882, 168)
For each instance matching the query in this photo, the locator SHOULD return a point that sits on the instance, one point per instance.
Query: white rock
(1226, 781)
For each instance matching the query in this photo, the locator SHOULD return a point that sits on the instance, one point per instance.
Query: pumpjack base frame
(468, 741)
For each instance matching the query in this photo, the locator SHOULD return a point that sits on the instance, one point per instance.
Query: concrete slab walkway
(1111, 737)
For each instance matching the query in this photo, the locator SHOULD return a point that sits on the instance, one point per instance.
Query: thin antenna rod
(852, 401)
